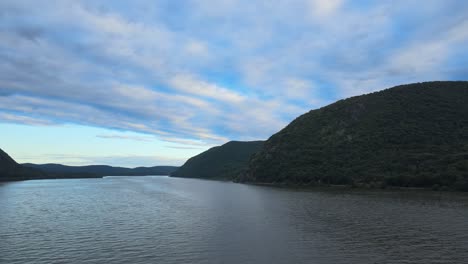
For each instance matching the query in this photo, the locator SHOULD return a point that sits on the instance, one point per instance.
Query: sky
(145, 83)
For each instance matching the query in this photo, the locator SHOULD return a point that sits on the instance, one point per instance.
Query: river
(160, 219)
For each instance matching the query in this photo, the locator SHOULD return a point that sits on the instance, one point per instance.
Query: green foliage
(224, 162)
(412, 135)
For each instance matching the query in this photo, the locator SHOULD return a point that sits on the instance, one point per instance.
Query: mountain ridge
(10, 170)
(223, 162)
(413, 135)
(101, 170)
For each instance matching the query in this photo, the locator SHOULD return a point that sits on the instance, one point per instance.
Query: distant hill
(8, 166)
(223, 162)
(100, 170)
(10, 170)
(412, 135)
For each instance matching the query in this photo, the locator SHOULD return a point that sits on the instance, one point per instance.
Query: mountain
(10, 170)
(412, 135)
(223, 162)
(59, 170)
(8, 166)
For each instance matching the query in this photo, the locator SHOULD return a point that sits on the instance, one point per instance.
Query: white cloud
(194, 86)
(297, 88)
(155, 72)
(324, 8)
(196, 48)
(116, 136)
(27, 120)
(427, 56)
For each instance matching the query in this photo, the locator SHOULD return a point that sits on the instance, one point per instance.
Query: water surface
(172, 220)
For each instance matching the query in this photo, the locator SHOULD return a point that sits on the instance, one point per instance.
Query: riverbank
(351, 187)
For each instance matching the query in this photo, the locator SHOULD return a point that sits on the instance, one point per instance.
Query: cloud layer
(204, 72)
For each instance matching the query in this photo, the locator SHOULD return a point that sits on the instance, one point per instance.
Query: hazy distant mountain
(10, 170)
(409, 135)
(222, 162)
(101, 170)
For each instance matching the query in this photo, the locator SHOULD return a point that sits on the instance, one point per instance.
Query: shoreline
(350, 187)
(265, 184)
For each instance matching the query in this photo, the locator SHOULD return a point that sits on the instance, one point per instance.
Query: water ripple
(164, 220)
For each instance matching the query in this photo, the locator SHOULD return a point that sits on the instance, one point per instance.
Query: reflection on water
(172, 220)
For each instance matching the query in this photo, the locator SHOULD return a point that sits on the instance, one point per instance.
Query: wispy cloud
(136, 138)
(182, 147)
(204, 72)
(195, 87)
(321, 9)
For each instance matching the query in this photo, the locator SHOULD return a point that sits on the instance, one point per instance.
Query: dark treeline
(12, 171)
(411, 136)
(59, 170)
(224, 162)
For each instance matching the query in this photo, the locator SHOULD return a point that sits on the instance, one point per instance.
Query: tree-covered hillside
(10, 170)
(410, 135)
(223, 162)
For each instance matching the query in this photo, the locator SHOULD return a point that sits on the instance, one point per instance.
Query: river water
(173, 220)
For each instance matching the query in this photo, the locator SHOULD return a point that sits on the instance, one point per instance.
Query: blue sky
(155, 82)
